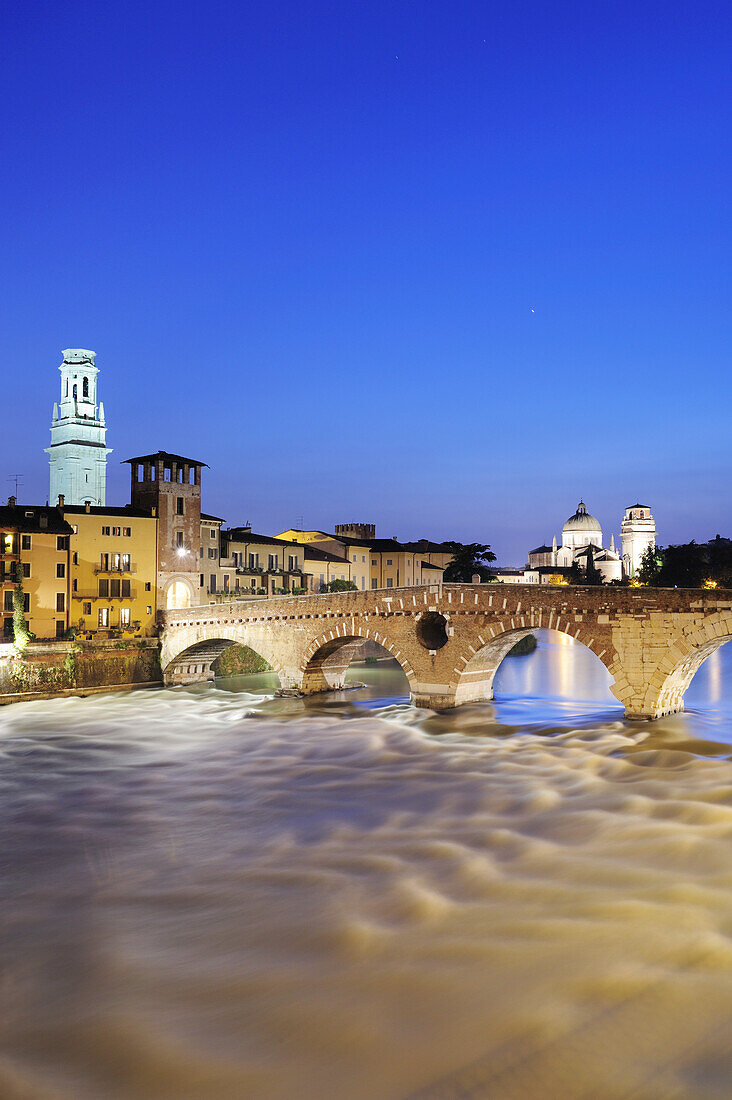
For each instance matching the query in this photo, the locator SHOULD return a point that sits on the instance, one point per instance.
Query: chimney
(61, 500)
(11, 502)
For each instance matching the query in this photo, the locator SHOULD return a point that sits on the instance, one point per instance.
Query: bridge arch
(667, 686)
(194, 650)
(480, 662)
(329, 655)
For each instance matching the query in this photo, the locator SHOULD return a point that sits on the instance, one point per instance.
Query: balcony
(132, 595)
(116, 569)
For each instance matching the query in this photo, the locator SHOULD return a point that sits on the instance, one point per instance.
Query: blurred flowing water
(213, 893)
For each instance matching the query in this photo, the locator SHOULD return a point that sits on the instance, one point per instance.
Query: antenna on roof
(17, 478)
(300, 522)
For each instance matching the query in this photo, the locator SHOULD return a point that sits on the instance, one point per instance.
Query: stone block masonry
(450, 639)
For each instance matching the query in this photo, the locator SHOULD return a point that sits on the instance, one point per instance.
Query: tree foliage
(468, 560)
(337, 585)
(688, 565)
(21, 635)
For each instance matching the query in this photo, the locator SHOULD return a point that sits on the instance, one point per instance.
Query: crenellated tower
(78, 451)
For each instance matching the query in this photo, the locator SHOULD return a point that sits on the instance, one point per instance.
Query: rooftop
(28, 519)
(99, 510)
(166, 456)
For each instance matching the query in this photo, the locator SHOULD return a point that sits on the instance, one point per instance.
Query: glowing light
(709, 583)
(181, 551)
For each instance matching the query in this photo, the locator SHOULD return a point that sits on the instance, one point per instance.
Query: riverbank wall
(46, 669)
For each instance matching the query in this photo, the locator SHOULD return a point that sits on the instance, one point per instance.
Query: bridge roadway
(451, 638)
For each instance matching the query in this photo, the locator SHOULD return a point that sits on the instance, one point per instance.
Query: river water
(212, 893)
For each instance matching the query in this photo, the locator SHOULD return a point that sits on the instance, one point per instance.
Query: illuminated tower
(638, 532)
(78, 451)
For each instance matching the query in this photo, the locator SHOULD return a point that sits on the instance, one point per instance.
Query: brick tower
(171, 485)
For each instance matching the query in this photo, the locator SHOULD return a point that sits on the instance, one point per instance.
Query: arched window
(85, 388)
(75, 391)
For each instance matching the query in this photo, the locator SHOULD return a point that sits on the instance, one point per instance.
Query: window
(140, 472)
(86, 609)
(292, 563)
(25, 542)
(60, 601)
(192, 476)
(116, 531)
(127, 532)
(125, 563)
(26, 603)
(148, 610)
(124, 616)
(180, 475)
(389, 561)
(103, 618)
(355, 557)
(373, 582)
(203, 580)
(74, 585)
(60, 569)
(374, 561)
(148, 586)
(114, 586)
(363, 557)
(60, 628)
(62, 542)
(389, 582)
(116, 562)
(106, 530)
(166, 473)
(212, 551)
(75, 528)
(75, 557)
(212, 533)
(104, 563)
(179, 506)
(104, 587)
(8, 600)
(85, 388)
(178, 538)
(253, 561)
(26, 568)
(126, 589)
(212, 582)
(272, 561)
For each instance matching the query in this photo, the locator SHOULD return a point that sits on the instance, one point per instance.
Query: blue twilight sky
(441, 266)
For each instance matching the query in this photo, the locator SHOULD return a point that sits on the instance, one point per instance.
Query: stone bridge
(451, 638)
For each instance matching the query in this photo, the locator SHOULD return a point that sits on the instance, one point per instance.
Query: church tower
(78, 451)
(638, 532)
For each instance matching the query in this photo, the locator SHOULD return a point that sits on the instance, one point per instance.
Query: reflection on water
(216, 893)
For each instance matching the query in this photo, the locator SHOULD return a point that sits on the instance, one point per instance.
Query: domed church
(581, 537)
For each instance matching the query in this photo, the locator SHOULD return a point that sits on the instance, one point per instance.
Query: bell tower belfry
(78, 451)
(638, 532)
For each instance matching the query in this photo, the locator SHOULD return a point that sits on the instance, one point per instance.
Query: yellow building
(113, 570)
(262, 565)
(35, 542)
(322, 567)
(375, 563)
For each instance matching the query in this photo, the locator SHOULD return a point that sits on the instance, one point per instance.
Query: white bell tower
(78, 451)
(638, 532)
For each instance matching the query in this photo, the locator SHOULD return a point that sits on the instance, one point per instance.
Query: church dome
(581, 521)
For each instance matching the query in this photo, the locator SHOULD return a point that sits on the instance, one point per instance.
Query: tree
(593, 575)
(468, 560)
(21, 635)
(575, 575)
(649, 569)
(337, 585)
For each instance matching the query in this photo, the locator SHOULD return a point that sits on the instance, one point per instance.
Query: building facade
(35, 545)
(78, 451)
(113, 587)
(169, 486)
(263, 565)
